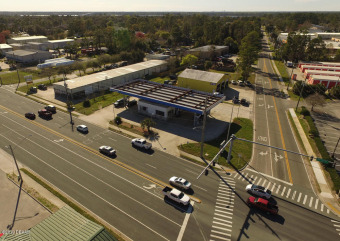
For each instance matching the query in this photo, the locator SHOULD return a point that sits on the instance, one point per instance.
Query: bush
(86, 103)
(118, 120)
(304, 111)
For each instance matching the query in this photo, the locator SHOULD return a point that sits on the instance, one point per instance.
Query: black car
(131, 103)
(119, 103)
(30, 115)
(235, 100)
(42, 87)
(247, 83)
(244, 102)
(33, 90)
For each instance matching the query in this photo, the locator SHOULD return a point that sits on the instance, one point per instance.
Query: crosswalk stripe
(305, 199)
(224, 208)
(225, 216)
(226, 191)
(225, 194)
(239, 177)
(293, 197)
(298, 200)
(246, 176)
(278, 189)
(283, 191)
(268, 185)
(254, 179)
(230, 207)
(215, 236)
(264, 182)
(327, 210)
(224, 224)
(221, 211)
(334, 221)
(221, 200)
(226, 229)
(336, 225)
(322, 207)
(260, 180)
(311, 201)
(337, 229)
(226, 221)
(288, 192)
(316, 203)
(218, 232)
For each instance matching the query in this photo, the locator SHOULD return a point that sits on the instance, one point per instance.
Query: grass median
(241, 152)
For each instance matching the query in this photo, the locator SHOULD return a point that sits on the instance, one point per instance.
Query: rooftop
(5, 46)
(21, 52)
(182, 98)
(201, 75)
(207, 48)
(326, 77)
(60, 40)
(29, 38)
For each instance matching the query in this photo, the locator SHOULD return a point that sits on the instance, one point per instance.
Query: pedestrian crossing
(336, 225)
(223, 214)
(282, 189)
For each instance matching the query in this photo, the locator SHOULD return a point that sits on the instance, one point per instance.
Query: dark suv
(119, 103)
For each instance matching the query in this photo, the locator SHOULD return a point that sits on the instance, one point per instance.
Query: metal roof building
(23, 40)
(328, 81)
(28, 56)
(102, 81)
(65, 224)
(168, 95)
(205, 51)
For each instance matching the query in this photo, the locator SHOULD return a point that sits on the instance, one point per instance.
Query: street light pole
(335, 147)
(203, 129)
(290, 77)
(303, 85)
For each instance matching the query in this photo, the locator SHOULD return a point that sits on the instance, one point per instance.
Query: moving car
(107, 150)
(82, 128)
(30, 115)
(176, 195)
(258, 191)
(180, 183)
(51, 108)
(45, 114)
(141, 143)
(263, 205)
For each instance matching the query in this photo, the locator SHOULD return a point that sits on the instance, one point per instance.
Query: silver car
(259, 191)
(107, 150)
(180, 183)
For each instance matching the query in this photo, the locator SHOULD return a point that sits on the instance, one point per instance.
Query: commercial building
(28, 56)
(328, 81)
(157, 56)
(102, 81)
(320, 72)
(24, 40)
(208, 51)
(202, 80)
(5, 48)
(318, 65)
(60, 43)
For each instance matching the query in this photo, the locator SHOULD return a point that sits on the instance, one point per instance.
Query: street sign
(322, 160)
(28, 79)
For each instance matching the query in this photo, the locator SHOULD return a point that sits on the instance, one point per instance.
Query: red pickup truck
(262, 204)
(45, 114)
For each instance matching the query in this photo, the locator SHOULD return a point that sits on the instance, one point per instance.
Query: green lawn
(12, 77)
(241, 152)
(98, 103)
(283, 72)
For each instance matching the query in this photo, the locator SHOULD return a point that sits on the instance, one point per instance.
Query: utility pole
(290, 77)
(335, 147)
(231, 116)
(203, 129)
(68, 104)
(303, 85)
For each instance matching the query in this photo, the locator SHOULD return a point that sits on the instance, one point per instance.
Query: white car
(141, 143)
(82, 128)
(180, 183)
(234, 82)
(259, 191)
(107, 150)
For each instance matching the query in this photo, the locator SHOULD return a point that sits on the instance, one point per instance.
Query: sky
(169, 5)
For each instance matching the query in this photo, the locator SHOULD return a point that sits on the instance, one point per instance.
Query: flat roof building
(23, 40)
(5, 48)
(207, 51)
(328, 81)
(28, 56)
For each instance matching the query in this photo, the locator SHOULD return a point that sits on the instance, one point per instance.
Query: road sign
(28, 79)
(322, 160)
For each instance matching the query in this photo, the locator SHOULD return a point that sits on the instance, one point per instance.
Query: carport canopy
(168, 95)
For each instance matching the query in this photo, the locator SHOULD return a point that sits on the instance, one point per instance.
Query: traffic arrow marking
(263, 153)
(60, 140)
(276, 157)
(150, 186)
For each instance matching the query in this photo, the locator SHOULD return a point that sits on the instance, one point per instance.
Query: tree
(64, 70)
(316, 100)
(335, 91)
(77, 66)
(316, 50)
(207, 65)
(337, 55)
(189, 60)
(148, 123)
(294, 49)
(49, 72)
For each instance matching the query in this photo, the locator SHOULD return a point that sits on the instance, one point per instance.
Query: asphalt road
(272, 128)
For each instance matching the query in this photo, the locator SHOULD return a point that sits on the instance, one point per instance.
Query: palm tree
(148, 123)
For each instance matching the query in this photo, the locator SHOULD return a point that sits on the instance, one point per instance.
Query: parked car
(107, 150)
(30, 115)
(248, 83)
(51, 108)
(141, 143)
(33, 90)
(45, 114)
(173, 77)
(42, 87)
(240, 82)
(244, 102)
(119, 103)
(234, 82)
(263, 205)
(235, 100)
(82, 128)
(180, 183)
(131, 103)
(259, 191)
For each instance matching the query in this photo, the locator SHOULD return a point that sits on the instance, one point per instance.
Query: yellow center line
(280, 128)
(93, 151)
(333, 208)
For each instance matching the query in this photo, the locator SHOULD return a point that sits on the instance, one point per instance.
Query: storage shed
(328, 81)
(205, 52)
(202, 80)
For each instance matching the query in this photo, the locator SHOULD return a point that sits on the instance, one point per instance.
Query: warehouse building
(328, 81)
(28, 56)
(5, 48)
(24, 40)
(202, 80)
(329, 64)
(60, 43)
(320, 72)
(207, 51)
(102, 81)
(303, 68)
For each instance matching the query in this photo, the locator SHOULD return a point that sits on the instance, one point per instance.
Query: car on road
(82, 128)
(263, 205)
(30, 115)
(141, 143)
(107, 150)
(240, 82)
(42, 87)
(259, 191)
(45, 114)
(51, 108)
(119, 103)
(233, 82)
(180, 182)
(176, 195)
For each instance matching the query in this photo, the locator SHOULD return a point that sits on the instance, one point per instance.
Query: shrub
(118, 120)
(304, 111)
(86, 103)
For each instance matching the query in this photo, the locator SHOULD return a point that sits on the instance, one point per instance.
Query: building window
(158, 112)
(144, 108)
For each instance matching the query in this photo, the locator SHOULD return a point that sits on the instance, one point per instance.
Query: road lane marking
(201, 188)
(269, 176)
(223, 224)
(112, 139)
(298, 200)
(185, 222)
(215, 236)
(311, 201)
(288, 192)
(283, 191)
(151, 166)
(305, 199)
(293, 197)
(278, 189)
(333, 208)
(93, 193)
(191, 171)
(316, 203)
